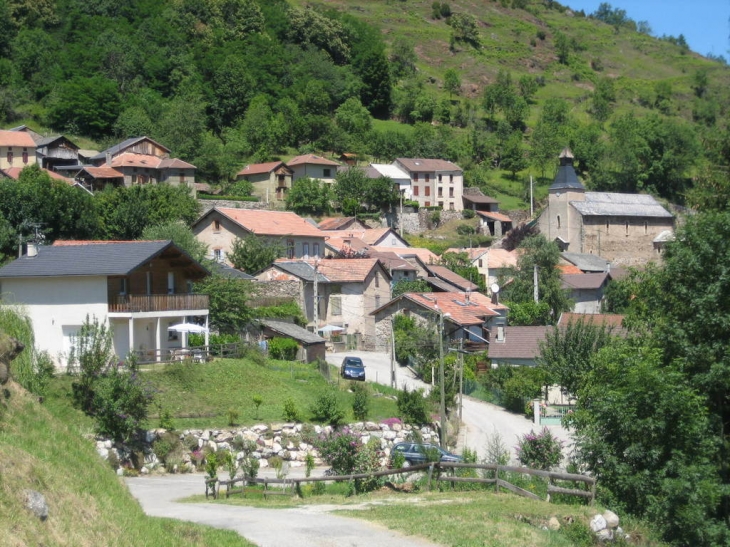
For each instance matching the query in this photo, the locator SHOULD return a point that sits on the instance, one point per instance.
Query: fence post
(430, 474)
(496, 479)
(536, 411)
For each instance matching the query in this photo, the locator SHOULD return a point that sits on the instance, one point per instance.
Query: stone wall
(207, 204)
(290, 442)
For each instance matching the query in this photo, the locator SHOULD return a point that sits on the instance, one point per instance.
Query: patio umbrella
(330, 328)
(188, 327)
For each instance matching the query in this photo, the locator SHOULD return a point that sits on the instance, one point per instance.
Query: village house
(619, 227)
(347, 291)
(220, 227)
(444, 280)
(341, 223)
(434, 182)
(400, 178)
(136, 288)
(313, 167)
(17, 149)
(271, 181)
(586, 290)
(492, 264)
(467, 317)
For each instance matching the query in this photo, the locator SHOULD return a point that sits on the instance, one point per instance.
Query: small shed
(311, 346)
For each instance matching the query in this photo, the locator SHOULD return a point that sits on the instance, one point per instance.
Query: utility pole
(536, 294)
(392, 355)
(531, 206)
(316, 296)
(461, 378)
(442, 408)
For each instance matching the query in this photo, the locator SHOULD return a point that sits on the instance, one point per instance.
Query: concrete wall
(17, 156)
(57, 308)
(208, 204)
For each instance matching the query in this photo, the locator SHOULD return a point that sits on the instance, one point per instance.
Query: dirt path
(306, 526)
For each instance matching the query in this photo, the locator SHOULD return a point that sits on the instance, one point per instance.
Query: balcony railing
(157, 302)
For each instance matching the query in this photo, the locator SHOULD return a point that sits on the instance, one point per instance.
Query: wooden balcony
(157, 302)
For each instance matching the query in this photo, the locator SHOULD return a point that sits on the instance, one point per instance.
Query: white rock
(389, 435)
(397, 427)
(605, 535)
(144, 471)
(263, 463)
(372, 426)
(213, 446)
(205, 435)
(120, 472)
(276, 447)
(107, 444)
(223, 446)
(598, 523)
(103, 452)
(553, 524)
(611, 519)
(260, 428)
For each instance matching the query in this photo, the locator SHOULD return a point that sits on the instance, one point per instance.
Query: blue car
(352, 369)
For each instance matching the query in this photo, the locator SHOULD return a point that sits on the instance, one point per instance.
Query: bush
(346, 454)
(468, 213)
(119, 403)
(284, 349)
(327, 408)
(540, 451)
(465, 229)
(413, 407)
(291, 413)
(360, 402)
(233, 416)
(168, 448)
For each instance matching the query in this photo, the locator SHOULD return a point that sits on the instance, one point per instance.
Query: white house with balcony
(137, 288)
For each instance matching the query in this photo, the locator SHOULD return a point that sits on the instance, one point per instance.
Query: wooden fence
(293, 485)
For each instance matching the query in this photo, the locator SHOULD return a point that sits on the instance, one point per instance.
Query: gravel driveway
(480, 420)
(306, 526)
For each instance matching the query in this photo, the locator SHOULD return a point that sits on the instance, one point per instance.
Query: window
(336, 305)
(315, 249)
(149, 282)
(428, 204)
(25, 156)
(451, 192)
(415, 190)
(428, 190)
(451, 206)
(170, 282)
(182, 176)
(481, 263)
(305, 250)
(441, 204)
(377, 301)
(10, 156)
(440, 192)
(122, 286)
(134, 179)
(377, 281)
(290, 249)
(415, 177)
(451, 179)
(426, 177)
(218, 255)
(440, 177)
(216, 225)
(607, 225)
(646, 227)
(327, 173)
(558, 221)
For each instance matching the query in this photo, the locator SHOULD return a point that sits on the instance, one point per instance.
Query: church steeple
(566, 178)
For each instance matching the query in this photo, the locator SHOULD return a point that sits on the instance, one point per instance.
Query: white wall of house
(325, 173)
(57, 308)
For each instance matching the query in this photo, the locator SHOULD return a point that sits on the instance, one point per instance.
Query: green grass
(200, 395)
(88, 504)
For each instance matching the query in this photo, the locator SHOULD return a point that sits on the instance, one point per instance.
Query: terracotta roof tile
(501, 258)
(334, 223)
(130, 159)
(609, 319)
(259, 168)
(103, 172)
(175, 163)
(311, 158)
(339, 243)
(583, 280)
(272, 223)
(16, 138)
(14, 173)
(337, 270)
(494, 216)
(426, 256)
(569, 269)
(462, 312)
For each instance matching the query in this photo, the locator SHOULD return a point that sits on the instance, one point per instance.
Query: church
(625, 229)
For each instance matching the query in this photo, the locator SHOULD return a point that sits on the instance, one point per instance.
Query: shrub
(231, 464)
(211, 465)
(360, 402)
(367, 459)
(413, 406)
(167, 446)
(540, 451)
(435, 218)
(339, 450)
(468, 213)
(119, 403)
(291, 412)
(284, 349)
(233, 416)
(257, 401)
(495, 450)
(465, 230)
(326, 408)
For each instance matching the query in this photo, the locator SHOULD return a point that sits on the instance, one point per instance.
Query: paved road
(480, 420)
(306, 526)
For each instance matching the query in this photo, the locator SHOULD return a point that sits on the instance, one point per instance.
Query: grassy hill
(88, 505)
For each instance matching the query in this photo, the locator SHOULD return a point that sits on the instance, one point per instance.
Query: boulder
(611, 519)
(9, 350)
(605, 535)
(553, 524)
(598, 523)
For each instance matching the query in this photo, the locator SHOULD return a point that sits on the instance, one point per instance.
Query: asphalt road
(480, 420)
(306, 526)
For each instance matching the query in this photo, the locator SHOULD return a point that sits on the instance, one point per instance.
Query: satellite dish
(494, 287)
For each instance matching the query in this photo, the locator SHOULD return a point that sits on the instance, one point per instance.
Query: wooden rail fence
(212, 486)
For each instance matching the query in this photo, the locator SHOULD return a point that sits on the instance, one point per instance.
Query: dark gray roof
(302, 270)
(566, 179)
(50, 140)
(620, 205)
(101, 258)
(519, 343)
(586, 262)
(293, 331)
(221, 268)
(586, 281)
(119, 147)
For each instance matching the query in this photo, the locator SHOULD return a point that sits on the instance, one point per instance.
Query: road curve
(306, 526)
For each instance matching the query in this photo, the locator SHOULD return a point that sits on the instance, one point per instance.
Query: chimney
(108, 158)
(499, 323)
(32, 250)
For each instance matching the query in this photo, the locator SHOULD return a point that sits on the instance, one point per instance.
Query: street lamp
(442, 409)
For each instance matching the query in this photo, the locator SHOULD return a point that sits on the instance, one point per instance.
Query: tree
(603, 98)
(566, 353)
(229, 297)
(402, 58)
(452, 82)
(354, 118)
(562, 47)
(86, 105)
(308, 197)
(538, 251)
(408, 285)
(253, 254)
(464, 29)
(528, 87)
(180, 235)
(460, 264)
(513, 155)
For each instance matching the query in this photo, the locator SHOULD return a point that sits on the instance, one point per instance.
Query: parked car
(352, 369)
(415, 453)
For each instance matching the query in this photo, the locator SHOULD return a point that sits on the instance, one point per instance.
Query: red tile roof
(339, 270)
(175, 163)
(501, 258)
(270, 223)
(14, 173)
(393, 262)
(259, 168)
(335, 223)
(494, 216)
(462, 312)
(426, 256)
(338, 243)
(311, 158)
(103, 172)
(609, 319)
(16, 138)
(421, 164)
(569, 269)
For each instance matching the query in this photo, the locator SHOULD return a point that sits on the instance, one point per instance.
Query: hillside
(499, 87)
(88, 504)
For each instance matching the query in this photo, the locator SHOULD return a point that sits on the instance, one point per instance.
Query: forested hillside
(500, 87)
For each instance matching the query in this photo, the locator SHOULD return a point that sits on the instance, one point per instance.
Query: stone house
(341, 223)
(467, 317)
(347, 291)
(492, 264)
(136, 288)
(220, 227)
(586, 290)
(434, 182)
(619, 227)
(314, 167)
(271, 181)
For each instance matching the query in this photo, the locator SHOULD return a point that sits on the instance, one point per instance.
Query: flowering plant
(539, 450)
